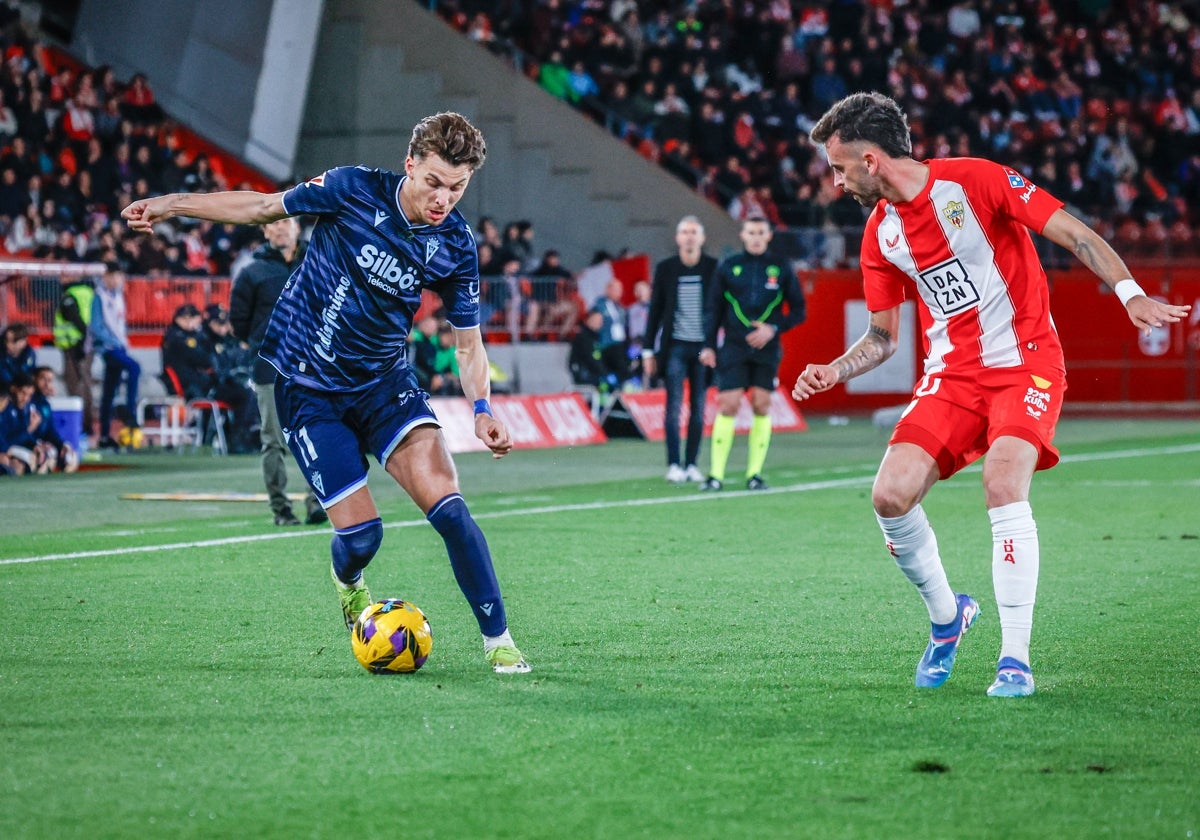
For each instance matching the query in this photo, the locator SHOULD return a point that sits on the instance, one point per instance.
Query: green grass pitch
(705, 666)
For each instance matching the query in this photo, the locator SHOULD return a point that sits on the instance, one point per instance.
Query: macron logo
(380, 216)
(486, 609)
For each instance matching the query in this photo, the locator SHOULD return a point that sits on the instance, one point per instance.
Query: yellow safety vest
(66, 334)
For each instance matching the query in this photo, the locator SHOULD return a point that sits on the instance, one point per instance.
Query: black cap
(216, 312)
(188, 310)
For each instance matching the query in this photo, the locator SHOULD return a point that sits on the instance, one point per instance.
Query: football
(391, 637)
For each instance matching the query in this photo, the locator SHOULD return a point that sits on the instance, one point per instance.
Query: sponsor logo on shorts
(1037, 400)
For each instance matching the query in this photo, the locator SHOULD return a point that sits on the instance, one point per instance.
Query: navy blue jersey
(343, 318)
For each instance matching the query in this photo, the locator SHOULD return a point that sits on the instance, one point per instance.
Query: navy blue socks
(471, 562)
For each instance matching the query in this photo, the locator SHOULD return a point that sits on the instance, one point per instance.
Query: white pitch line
(546, 509)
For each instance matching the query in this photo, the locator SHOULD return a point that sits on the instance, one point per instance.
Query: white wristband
(1126, 290)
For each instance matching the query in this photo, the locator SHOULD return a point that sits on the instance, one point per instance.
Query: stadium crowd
(1098, 101)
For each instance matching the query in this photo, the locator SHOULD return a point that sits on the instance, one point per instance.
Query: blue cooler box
(68, 420)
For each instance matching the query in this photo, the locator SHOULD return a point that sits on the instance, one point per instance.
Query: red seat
(197, 411)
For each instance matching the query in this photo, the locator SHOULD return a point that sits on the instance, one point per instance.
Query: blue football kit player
(337, 338)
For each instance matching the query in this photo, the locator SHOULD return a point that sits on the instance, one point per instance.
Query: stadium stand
(1099, 101)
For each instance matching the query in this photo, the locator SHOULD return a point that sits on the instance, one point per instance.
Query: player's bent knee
(889, 501)
(361, 542)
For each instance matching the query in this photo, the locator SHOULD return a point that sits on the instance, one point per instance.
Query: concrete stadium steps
(376, 72)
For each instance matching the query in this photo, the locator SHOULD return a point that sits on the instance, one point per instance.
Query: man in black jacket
(755, 297)
(255, 290)
(677, 309)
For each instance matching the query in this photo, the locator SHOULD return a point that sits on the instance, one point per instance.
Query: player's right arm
(875, 347)
(238, 207)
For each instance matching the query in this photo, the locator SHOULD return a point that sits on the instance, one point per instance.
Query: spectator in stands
(256, 288)
(73, 337)
(582, 87)
(18, 357)
(554, 77)
(110, 337)
(138, 103)
(8, 121)
(448, 381)
(26, 233)
(232, 364)
(512, 294)
(186, 351)
(423, 350)
(558, 293)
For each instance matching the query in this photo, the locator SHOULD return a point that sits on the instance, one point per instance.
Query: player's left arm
(1091, 249)
(475, 376)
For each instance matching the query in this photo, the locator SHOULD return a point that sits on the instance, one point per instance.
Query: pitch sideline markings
(544, 509)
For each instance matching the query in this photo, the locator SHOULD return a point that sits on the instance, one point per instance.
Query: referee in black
(677, 299)
(755, 297)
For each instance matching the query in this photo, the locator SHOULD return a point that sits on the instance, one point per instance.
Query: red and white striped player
(957, 230)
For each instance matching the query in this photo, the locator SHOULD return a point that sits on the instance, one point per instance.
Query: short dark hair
(872, 117)
(451, 137)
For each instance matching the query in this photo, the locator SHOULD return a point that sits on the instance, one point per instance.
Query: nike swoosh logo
(380, 216)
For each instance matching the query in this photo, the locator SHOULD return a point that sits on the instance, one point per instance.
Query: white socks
(1015, 559)
(912, 542)
(504, 638)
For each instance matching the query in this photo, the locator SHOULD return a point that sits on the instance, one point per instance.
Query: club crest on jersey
(772, 277)
(431, 247)
(1014, 179)
(956, 213)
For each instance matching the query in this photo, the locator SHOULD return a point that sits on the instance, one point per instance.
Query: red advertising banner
(648, 410)
(536, 421)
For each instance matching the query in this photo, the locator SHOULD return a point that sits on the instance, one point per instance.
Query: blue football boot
(934, 667)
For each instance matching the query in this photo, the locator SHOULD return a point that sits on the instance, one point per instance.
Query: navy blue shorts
(330, 433)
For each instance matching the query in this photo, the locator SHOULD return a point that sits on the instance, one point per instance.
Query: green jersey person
(754, 298)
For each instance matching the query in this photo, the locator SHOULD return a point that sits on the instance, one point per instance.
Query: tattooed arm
(869, 352)
(1098, 255)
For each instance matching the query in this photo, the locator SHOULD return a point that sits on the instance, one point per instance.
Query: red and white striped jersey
(964, 243)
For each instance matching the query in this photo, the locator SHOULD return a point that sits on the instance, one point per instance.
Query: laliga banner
(648, 410)
(535, 421)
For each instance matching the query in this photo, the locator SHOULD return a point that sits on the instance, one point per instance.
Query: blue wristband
(482, 407)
